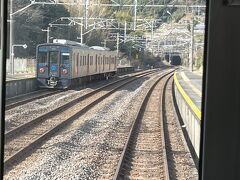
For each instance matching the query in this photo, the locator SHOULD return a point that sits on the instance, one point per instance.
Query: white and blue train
(64, 63)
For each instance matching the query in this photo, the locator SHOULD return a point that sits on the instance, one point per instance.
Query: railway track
(20, 100)
(144, 154)
(13, 102)
(20, 141)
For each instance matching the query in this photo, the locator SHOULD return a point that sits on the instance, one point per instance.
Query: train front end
(53, 66)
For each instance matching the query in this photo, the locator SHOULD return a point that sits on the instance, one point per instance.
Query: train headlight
(64, 71)
(41, 70)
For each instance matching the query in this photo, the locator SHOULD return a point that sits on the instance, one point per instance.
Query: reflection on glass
(79, 48)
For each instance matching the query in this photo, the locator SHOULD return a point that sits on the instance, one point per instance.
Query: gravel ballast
(82, 150)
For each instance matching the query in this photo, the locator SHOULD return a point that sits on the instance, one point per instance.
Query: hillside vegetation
(29, 24)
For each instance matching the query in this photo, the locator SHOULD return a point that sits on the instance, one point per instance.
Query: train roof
(67, 42)
(75, 44)
(100, 48)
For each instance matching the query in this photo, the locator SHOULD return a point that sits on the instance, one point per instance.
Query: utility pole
(81, 32)
(152, 24)
(11, 39)
(191, 50)
(125, 31)
(86, 4)
(48, 33)
(135, 15)
(117, 43)
(105, 43)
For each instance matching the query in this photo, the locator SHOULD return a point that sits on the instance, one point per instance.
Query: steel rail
(23, 152)
(10, 134)
(132, 130)
(25, 101)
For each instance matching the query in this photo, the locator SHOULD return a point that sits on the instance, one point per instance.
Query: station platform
(191, 84)
(188, 93)
(11, 77)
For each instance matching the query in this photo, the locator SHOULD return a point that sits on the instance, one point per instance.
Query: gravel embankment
(38, 107)
(180, 163)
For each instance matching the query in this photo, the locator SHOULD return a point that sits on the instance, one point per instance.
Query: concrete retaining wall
(23, 86)
(19, 87)
(191, 120)
(122, 70)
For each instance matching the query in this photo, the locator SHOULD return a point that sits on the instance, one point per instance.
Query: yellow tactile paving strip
(189, 101)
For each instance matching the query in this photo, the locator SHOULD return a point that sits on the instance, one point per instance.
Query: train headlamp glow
(41, 70)
(65, 71)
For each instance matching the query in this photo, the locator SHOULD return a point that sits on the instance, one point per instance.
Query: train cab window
(65, 58)
(53, 57)
(42, 57)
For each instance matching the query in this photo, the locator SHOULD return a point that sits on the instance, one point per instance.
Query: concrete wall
(22, 65)
(124, 69)
(23, 86)
(19, 87)
(190, 119)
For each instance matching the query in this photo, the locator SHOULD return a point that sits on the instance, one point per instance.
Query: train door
(53, 60)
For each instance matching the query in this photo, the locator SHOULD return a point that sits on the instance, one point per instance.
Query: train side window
(77, 59)
(80, 60)
(98, 60)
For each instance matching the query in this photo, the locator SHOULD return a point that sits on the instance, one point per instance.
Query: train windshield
(42, 55)
(65, 58)
(53, 57)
